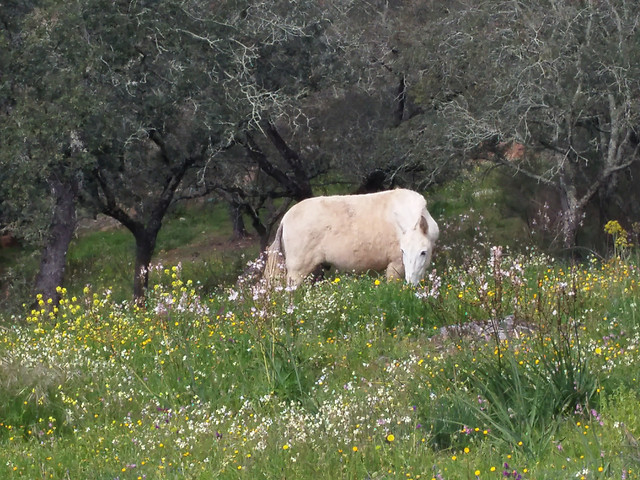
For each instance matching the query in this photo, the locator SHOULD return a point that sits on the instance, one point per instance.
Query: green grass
(347, 378)
(190, 224)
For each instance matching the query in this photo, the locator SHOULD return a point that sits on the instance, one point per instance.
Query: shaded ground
(205, 248)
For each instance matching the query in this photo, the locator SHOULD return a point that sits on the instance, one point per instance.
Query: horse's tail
(274, 267)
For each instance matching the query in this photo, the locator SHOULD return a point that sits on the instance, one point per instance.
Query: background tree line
(124, 108)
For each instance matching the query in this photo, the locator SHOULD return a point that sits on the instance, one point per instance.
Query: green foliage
(525, 407)
(474, 213)
(127, 102)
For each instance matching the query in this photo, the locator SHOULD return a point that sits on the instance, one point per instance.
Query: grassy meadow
(505, 363)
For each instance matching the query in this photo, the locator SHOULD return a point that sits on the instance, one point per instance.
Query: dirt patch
(206, 248)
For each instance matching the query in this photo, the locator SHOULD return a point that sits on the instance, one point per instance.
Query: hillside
(502, 365)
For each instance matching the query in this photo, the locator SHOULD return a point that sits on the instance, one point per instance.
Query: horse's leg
(395, 270)
(293, 280)
(298, 271)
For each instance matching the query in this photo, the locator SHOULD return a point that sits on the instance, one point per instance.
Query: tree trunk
(54, 254)
(145, 246)
(571, 219)
(297, 185)
(237, 221)
(400, 102)
(301, 182)
(145, 231)
(373, 181)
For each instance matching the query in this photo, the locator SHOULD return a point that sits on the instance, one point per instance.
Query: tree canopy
(560, 79)
(123, 107)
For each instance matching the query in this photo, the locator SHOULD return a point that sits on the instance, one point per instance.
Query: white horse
(388, 231)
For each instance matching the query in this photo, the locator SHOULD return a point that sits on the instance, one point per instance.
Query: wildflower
(620, 235)
(390, 438)
(613, 227)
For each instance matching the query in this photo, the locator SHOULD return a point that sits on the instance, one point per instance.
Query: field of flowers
(502, 365)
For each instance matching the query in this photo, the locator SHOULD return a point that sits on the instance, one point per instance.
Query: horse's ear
(424, 225)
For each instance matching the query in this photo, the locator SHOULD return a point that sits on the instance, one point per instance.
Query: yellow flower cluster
(619, 234)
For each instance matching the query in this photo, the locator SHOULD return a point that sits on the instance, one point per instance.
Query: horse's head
(417, 246)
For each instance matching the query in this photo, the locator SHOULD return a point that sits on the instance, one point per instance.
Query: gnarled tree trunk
(54, 254)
